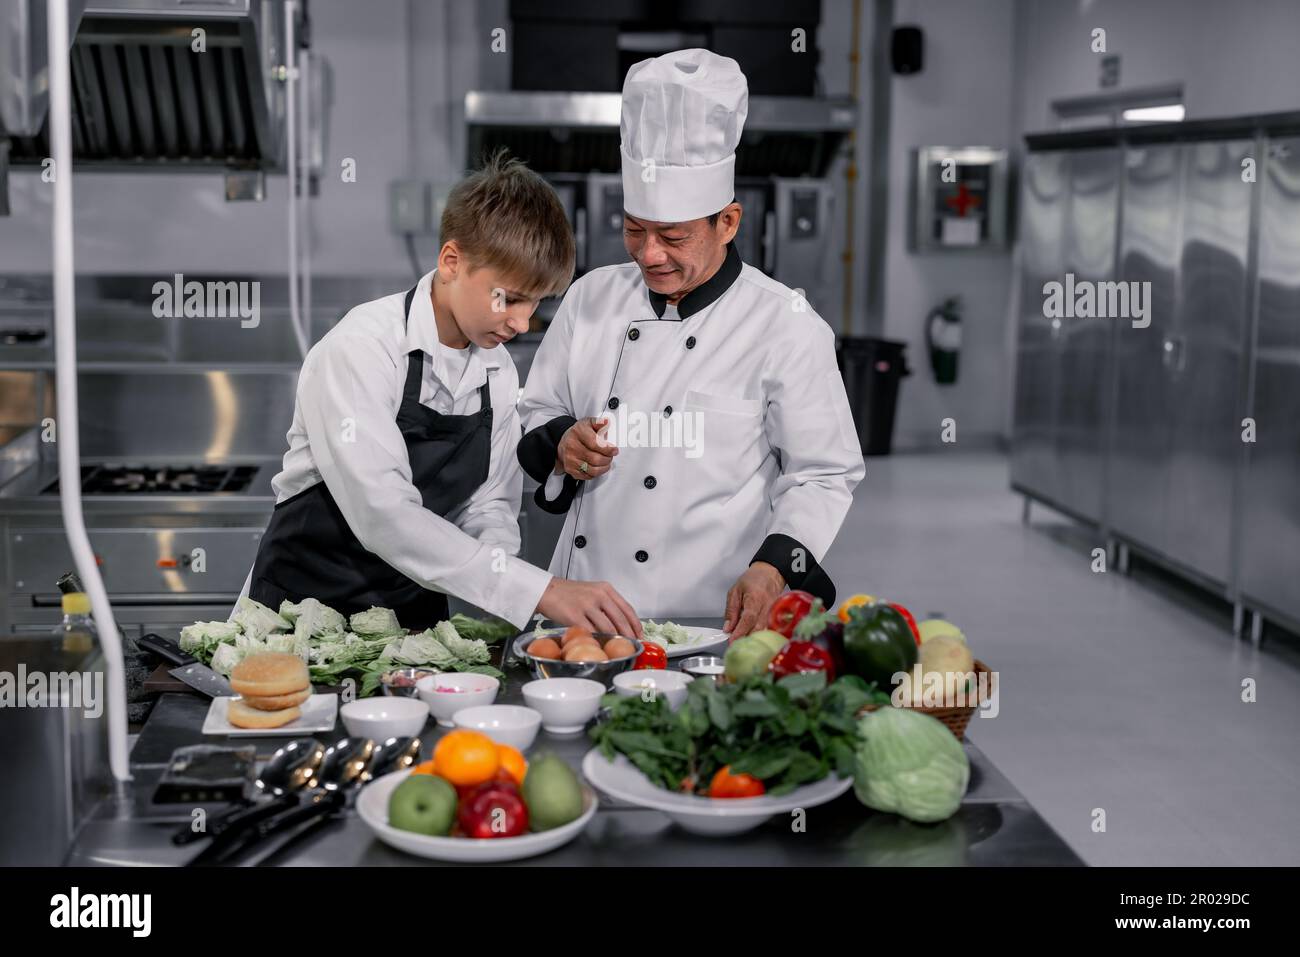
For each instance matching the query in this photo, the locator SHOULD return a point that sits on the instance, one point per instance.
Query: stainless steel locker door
(1203, 357)
(1043, 209)
(1149, 253)
(1270, 556)
(1084, 344)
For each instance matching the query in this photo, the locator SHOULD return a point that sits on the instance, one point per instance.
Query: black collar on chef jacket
(706, 293)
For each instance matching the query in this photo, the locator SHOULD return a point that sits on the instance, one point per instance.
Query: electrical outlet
(408, 206)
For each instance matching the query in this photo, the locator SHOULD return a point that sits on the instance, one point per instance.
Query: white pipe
(65, 354)
(291, 128)
(305, 112)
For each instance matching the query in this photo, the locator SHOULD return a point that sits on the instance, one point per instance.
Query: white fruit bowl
(372, 808)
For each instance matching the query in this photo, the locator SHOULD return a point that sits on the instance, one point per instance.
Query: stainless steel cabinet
(1270, 553)
(1085, 343)
(1178, 381)
(1140, 429)
(1044, 207)
(1204, 367)
(1068, 223)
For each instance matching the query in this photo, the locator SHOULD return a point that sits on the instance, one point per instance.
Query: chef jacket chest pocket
(729, 431)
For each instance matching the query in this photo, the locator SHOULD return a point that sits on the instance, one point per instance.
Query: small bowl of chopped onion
(445, 694)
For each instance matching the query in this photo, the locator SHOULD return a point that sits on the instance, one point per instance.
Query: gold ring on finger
(584, 468)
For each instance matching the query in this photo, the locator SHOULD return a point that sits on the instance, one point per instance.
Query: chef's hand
(593, 605)
(750, 599)
(582, 443)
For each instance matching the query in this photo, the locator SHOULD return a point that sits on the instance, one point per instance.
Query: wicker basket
(956, 719)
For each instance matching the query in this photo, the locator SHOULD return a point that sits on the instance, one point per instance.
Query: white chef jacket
(670, 527)
(345, 433)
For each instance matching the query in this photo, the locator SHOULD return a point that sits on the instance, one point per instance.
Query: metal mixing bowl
(602, 671)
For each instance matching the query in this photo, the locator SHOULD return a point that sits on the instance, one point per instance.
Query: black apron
(309, 550)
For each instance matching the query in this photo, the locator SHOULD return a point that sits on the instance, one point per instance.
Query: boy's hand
(583, 445)
(593, 605)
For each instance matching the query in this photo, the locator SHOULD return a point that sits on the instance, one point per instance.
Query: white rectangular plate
(319, 713)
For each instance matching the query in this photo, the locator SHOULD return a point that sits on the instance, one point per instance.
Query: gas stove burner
(162, 479)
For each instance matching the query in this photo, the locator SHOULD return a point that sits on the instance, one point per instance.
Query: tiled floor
(1123, 694)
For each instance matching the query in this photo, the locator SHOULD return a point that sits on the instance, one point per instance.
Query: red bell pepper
(787, 610)
(799, 657)
(911, 622)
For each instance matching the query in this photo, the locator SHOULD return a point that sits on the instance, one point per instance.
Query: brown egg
(581, 651)
(544, 648)
(577, 634)
(619, 648)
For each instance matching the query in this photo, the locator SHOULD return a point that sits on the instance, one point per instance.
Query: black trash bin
(872, 369)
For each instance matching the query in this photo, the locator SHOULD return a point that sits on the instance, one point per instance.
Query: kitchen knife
(189, 670)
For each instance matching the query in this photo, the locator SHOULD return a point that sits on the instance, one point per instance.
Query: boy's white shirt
(345, 433)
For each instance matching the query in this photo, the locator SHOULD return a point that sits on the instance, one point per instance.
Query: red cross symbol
(963, 201)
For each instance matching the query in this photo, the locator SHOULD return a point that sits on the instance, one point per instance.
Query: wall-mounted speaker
(906, 50)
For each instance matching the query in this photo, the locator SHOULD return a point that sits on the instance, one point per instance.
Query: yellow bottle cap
(76, 603)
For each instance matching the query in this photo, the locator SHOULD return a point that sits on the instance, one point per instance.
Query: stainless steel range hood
(155, 83)
(578, 132)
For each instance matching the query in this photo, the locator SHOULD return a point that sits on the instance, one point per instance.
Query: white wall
(962, 97)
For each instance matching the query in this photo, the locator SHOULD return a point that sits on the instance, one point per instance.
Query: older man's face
(676, 257)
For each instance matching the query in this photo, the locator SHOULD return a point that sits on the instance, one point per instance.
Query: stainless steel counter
(995, 825)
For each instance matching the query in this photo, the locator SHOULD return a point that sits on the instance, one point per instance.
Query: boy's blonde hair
(506, 217)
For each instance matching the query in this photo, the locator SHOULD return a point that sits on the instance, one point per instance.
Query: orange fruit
(425, 767)
(466, 758)
(513, 763)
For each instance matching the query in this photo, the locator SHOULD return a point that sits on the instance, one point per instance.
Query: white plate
(701, 815)
(318, 714)
(702, 640)
(372, 807)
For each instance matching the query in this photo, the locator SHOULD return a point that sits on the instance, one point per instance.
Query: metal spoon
(393, 755)
(341, 768)
(287, 772)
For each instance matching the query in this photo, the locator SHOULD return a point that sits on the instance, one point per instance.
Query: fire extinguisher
(943, 336)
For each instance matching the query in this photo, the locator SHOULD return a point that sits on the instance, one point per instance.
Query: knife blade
(188, 668)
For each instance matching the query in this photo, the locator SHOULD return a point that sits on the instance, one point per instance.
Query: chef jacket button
(613, 402)
(650, 481)
(580, 541)
(643, 556)
(690, 342)
(668, 410)
(634, 334)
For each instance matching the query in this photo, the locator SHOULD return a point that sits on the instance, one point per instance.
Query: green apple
(424, 804)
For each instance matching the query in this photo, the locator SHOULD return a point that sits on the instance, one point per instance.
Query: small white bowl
(382, 718)
(510, 724)
(670, 684)
(565, 704)
(472, 690)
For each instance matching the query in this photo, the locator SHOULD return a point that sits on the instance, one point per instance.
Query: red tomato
(911, 622)
(787, 610)
(652, 656)
(728, 785)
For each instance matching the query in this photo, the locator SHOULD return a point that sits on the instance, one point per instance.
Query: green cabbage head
(910, 764)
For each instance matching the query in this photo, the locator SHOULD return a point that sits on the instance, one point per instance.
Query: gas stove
(161, 479)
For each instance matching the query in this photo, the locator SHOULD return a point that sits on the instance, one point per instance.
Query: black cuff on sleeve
(560, 504)
(537, 449)
(781, 552)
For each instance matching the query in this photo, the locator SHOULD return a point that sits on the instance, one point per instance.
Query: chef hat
(682, 117)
